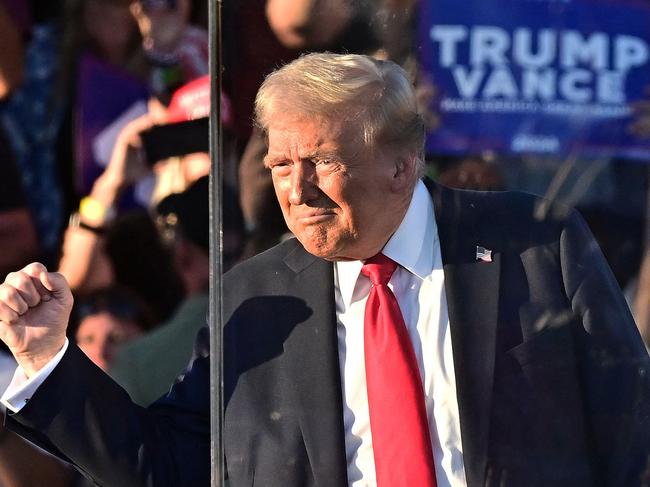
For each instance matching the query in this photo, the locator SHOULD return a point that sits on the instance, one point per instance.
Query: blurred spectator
(85, 261)
(22, 15)
(640, 125)
(77, 54)
(103, 28)
(394, 21)
(11, 55)
(147, 367)
(18, 239)
(177, 50)
(183, 220)
(308, 24)
(142, 264)
(42, 117)
(101, 52)
(104, 321)
(474, 173)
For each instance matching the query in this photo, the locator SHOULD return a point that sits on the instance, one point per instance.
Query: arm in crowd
(11, 54)
(84, 263)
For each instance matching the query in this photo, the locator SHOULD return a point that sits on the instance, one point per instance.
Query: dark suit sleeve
(83, 416)
(614, 362)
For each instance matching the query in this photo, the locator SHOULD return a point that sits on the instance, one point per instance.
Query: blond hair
(376, 94)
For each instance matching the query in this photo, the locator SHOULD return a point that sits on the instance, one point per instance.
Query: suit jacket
(552, 376)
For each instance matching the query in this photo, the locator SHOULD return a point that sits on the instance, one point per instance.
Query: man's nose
(303, 187)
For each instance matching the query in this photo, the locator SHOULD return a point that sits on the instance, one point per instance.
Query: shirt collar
(410, 246)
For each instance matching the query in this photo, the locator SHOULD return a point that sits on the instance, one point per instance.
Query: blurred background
(104, 136)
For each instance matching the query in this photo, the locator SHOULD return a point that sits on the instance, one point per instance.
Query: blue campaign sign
(537, 76)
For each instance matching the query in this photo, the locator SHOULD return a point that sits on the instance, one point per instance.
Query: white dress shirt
(418, 284)
(21, 388)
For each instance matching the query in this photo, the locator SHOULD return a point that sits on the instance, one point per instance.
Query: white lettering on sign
(574, 86)
(629, 52)
(500, 84)
(448, 36)
(523, 54)
(488, 45)
(576, 50)
(468, 82)
(535, 143)
(551, 65)
(539, 84)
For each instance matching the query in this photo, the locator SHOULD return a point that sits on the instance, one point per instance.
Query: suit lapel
(472, 290)
(317, 382)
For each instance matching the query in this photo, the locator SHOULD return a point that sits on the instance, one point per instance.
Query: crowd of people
(80, 82)
(93, 91)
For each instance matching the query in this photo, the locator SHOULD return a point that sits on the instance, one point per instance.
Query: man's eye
(281, 168)
(324, 162)
(279, 164)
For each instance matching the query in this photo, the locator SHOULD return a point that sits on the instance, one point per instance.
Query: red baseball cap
(192, 101)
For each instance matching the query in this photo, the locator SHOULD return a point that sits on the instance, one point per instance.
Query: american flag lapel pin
(483, 254)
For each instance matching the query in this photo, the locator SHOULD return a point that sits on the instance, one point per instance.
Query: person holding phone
(162, 143)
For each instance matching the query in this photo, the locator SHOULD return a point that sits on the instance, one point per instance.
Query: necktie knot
(379, 269)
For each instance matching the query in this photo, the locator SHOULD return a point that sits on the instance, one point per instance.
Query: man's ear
(404, 170)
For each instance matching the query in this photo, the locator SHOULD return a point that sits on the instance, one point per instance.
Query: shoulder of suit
(268, 261)
(518, 205)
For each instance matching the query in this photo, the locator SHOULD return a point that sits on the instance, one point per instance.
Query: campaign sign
(537, 76)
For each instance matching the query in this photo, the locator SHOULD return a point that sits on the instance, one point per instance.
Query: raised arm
(81, 415)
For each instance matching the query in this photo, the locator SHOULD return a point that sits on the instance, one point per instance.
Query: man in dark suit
(530, 370)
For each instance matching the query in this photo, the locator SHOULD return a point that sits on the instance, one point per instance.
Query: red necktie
(398, 419)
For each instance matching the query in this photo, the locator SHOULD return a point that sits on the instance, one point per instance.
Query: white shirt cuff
(21, 389)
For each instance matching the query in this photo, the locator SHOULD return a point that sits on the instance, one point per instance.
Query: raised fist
(35, 307)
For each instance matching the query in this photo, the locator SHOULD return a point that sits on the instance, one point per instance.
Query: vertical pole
(216, 249)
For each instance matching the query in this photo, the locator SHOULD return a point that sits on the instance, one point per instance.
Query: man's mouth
(315, 217)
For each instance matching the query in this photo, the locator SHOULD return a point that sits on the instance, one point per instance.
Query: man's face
(341, 201)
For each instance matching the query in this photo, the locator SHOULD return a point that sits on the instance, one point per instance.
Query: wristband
(75, 222)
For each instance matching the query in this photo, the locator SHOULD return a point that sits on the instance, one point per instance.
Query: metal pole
(216, 248)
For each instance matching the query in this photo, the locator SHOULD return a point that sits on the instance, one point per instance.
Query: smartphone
(176, 139)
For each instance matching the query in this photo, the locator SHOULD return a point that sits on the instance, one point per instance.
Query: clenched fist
(35, 307)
